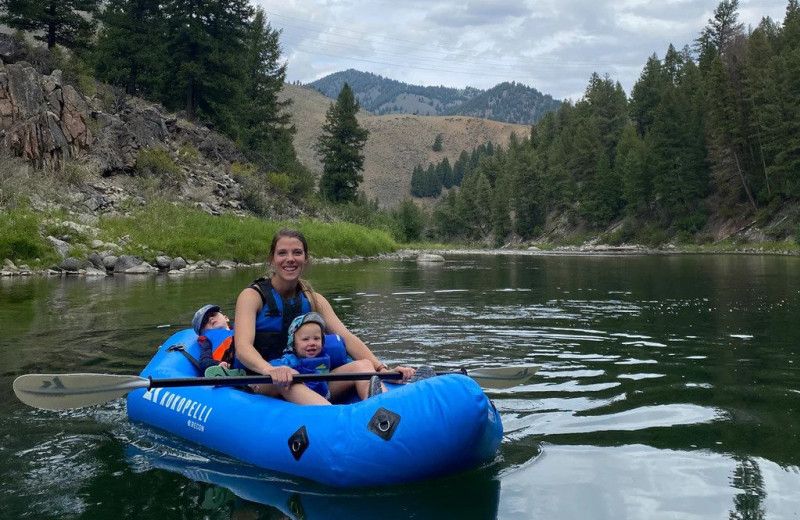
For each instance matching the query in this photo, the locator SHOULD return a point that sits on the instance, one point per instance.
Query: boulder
(142, 268)
(163, 262)
(96, 260)
(177, 264)
(126, 262)
(61, 247)
(93, 271)
(71, 265)
(109, 261)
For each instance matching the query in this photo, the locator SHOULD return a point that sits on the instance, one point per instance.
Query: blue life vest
(274, 318)
(333, 355)
(316, 365)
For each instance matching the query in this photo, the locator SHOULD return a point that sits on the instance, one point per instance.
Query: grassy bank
(174, 230)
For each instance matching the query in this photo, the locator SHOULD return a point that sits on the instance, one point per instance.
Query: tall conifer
(340, 147)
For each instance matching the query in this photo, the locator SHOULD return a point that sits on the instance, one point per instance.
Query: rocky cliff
(47, 121)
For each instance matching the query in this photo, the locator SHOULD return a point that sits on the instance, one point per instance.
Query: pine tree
(760, 95)
(340, 147)
(632, 169)
(131, 47)
(726, 143)
(69, 23)
(418, 182)
(264, 125)
(646, 95)
(448, 221)
(783, 139)
(460, 168)
(447, 173)
(676, 140)
(608, 106)
(723, 29)
(433, 182)
(437, 143)
(527, 199)
(206, 45)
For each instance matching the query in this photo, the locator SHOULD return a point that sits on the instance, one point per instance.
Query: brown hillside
(397, 142)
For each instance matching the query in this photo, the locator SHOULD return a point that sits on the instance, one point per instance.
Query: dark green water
(670, 388)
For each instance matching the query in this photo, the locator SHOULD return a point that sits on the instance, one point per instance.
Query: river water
(669, 388)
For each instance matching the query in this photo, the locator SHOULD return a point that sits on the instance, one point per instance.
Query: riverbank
(163, 237)
(179, 266)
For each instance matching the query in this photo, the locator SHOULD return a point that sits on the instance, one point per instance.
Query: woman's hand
(281, 375)
(407, 372)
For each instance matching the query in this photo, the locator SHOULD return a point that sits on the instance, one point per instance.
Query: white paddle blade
(503, 377)
(65, 391)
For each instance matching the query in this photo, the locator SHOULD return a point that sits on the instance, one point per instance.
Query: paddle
(64, 391)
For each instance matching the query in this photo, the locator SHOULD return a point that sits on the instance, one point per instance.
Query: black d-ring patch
(383, 423)
(298, 443)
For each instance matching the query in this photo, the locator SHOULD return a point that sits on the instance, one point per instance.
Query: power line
(432, 54)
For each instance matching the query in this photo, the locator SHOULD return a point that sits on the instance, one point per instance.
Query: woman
(264, 311)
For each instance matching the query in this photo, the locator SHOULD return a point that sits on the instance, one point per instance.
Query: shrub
(240, 170)
(652, 236)
(409, 221)
(153, 162)
(188, 154)
(280, 182)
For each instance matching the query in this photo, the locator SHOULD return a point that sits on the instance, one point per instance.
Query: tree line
(712, 128)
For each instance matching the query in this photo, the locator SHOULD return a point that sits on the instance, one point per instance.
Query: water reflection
(237, 490)
(747, 479)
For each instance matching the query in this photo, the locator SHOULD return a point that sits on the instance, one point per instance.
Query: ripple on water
(638, 377)
(634, 361)
(661, 416)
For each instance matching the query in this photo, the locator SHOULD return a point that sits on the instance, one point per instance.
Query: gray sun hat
(201, 317)
(311, 317)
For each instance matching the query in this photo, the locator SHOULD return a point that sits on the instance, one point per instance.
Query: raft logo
(195, 411)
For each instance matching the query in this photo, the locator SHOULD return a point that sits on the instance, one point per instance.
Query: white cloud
(551, 45)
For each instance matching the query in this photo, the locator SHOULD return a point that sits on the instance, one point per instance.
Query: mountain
(507, 102)
(397, 142)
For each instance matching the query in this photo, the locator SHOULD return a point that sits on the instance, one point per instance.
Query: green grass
(188, 232)
(177, 230)
(20, 240)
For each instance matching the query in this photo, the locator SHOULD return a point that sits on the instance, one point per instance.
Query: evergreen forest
(709, 131)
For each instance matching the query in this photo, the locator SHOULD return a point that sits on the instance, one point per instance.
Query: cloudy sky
(551, 45)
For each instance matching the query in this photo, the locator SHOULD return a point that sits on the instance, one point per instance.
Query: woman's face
(289, 258)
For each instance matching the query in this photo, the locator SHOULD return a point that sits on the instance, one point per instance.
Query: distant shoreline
(606, 251)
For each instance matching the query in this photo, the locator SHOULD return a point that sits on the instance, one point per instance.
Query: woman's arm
(356, 348)
(248, 306)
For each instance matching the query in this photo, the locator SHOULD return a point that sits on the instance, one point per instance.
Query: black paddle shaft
(263, 379)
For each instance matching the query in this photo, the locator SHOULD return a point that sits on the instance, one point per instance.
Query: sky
(553, 46)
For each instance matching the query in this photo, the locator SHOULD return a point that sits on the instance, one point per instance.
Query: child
(208, 318)
(306, 353)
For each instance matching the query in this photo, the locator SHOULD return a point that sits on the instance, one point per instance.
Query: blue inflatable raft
(431, 428)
